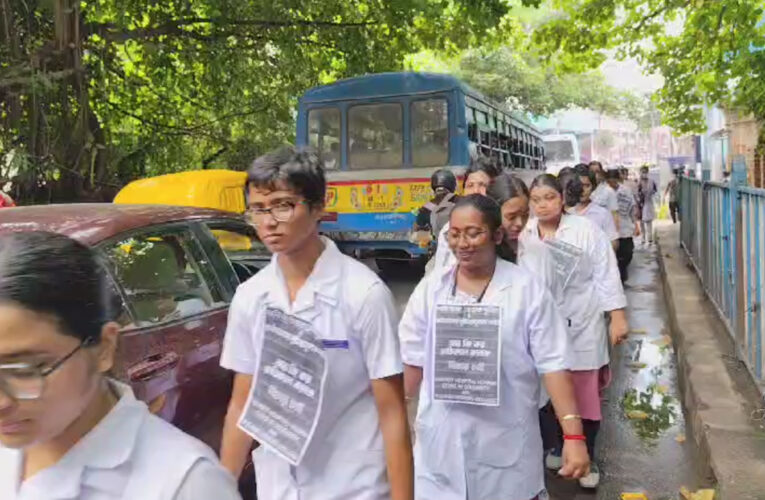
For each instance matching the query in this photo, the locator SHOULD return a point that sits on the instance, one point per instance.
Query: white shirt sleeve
(549, 342)
(609, 226)
(207, 480)
(238, 352)
(414, 326)
(608, 283)
(376, 323)
(612, 200)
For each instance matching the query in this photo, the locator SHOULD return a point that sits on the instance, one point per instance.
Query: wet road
(647, 453)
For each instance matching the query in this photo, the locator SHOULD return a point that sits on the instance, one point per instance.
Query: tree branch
(111, 32)
(207, 161)
(36, 77)
(661, 10)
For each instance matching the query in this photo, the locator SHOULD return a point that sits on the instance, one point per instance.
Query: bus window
(375, 136)
(430, 133)
(324, 135)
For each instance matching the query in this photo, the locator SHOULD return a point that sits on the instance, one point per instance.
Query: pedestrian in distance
(588, 285)
(434, 215)
(478, 177)
(67, 430)
(312, 342)
(629, 221)
(646, 193)
(671, 196)
(6, 201)
(491, 322)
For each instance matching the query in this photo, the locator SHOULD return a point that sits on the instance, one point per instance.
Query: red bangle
(573, 437)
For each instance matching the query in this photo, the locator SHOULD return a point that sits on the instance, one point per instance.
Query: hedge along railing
(723, 233)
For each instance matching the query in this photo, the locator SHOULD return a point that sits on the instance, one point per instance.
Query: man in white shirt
(312, 339)
(629, 221)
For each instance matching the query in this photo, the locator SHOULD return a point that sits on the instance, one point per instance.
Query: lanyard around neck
(483, 292)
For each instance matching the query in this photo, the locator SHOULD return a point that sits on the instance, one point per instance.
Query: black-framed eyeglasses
(281, 212)
(24, 381)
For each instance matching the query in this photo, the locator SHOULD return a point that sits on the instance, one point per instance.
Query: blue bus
(383, 135)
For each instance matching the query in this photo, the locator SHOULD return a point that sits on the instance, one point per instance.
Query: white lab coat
(602, 218)
(130, 454)
(479, 452)
(593, 288)
(605, 196)
(353, 311)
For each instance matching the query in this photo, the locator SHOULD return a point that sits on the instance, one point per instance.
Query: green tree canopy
(708, 51)
(95, 93)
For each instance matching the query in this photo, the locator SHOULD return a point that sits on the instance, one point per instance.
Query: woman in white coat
(67, 431)
(588, 285)
(479, 335)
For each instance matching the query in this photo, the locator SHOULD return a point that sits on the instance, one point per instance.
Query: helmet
(443, 179)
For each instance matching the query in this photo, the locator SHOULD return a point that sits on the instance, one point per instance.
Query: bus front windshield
(375, 136)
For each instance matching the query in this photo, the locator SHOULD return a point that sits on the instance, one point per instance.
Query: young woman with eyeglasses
(66, 429)
(480, 335)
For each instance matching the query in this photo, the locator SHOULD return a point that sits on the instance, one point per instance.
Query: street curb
(730, 445)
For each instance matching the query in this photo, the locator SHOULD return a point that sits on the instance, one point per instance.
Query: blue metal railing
(723, 233)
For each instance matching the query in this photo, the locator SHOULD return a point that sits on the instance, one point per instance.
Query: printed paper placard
(285, 400)
(467, 354)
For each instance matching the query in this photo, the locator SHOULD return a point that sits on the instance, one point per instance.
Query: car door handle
(152, 366)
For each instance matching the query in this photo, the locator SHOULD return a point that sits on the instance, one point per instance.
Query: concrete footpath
(719, 396)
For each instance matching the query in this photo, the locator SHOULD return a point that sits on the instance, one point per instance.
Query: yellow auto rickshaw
(218, 189)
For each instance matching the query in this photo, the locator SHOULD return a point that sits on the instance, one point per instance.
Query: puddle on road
(653, 411)
(649, 401)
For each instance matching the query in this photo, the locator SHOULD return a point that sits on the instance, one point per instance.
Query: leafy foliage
(708, 51)
(98, 92)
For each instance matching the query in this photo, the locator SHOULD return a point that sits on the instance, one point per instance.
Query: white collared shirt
(627, 204)
(481, 452)
(594, 287)
(353, 313)
(129, 454)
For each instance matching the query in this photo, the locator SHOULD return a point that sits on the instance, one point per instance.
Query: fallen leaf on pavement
(637, 415)
(638, 332)
(637, 365)
(634, 496)
(663, 341)
(680, 438)
(662, 389)
(705, 494)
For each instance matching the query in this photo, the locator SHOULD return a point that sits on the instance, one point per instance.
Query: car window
(119, 312)
(244, 251)
(165, 276)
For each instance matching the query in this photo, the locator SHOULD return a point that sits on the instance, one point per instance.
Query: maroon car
(173, 271)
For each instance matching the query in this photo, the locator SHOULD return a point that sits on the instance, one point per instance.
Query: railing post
(739, 301)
